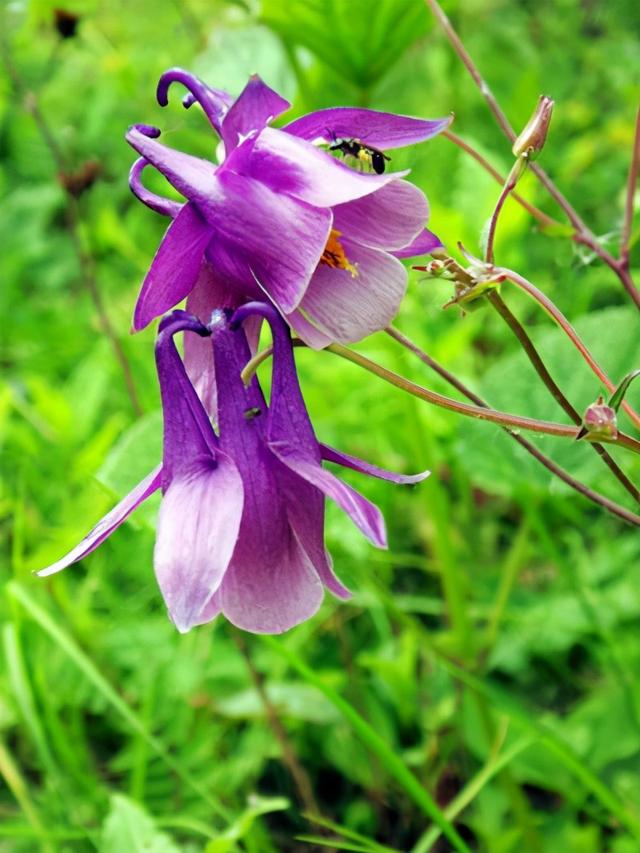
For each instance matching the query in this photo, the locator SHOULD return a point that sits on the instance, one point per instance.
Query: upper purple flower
(241, 524)
(280, 216)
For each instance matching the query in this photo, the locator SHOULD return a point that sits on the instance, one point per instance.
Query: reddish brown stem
(583, 234)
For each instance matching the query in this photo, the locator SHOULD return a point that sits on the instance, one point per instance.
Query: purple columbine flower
(280, 216)
(241, 523)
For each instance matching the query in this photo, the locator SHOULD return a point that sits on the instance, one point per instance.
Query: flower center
(334, 255)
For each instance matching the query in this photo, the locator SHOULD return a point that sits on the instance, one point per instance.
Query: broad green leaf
(129, 827)
(358, 40)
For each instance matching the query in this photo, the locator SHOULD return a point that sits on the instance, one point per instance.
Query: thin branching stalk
(507, 189)
(582, 234)
(558, 317)
(544, 460)
(481, 411)
(556, 392)
(632, 183)
(527, 344)
(298, 774)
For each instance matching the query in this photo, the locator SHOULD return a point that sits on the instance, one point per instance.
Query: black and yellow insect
(365, 154)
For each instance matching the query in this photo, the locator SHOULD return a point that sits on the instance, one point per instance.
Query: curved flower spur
(241, 523)
(281, 216)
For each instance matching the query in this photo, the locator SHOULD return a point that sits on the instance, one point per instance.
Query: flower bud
(531, 140)
(600, 421)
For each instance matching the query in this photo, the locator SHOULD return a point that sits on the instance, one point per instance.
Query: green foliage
(482, 680)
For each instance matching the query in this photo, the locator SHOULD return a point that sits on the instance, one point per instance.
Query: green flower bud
(531, 140)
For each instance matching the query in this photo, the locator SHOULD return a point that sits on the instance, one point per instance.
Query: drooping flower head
(281, 217)
(241, 523)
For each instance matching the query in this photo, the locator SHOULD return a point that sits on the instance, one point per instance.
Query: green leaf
(359, 40)
(257, 806)
(128, 827)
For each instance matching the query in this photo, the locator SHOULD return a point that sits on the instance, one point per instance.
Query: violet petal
(269, 594)
(365, 515)
(425, 243)
(280, 237)
(254, 108)
(379, 129)
(175, 267)
(105, 527)
(330, 454)
(295, 167)
(164, 206)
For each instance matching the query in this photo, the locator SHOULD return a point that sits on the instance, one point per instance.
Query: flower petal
(214, 102)
(279, 238)
(211, 293)
(425, 243)
(273, 236)
(330, 454)
(198, 527)
(254, 108)
(347, 308)
(287, 416)
(175, 267)
(269, 595)
(105, 527)
(382, 130)
(188, 435)
(305, 511)
(365, 515)
(295, 167)
(389, 218)
(164, 206)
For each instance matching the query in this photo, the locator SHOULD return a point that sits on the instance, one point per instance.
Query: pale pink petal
(389, 218)
(198, 528)
(269, 594)
(348, 307)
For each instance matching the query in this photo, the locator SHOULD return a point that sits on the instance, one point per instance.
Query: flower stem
(534, 357)
(632, 181)
(543, 219)
(549, 464)
(297, 771)
(558, 317)
(582, 233)
(509, 185)
(479, 412)
(565, 431)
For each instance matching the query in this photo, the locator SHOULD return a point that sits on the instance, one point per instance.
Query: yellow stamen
(334, 255)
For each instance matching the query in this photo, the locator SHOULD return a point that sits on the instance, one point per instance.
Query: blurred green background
(492, 653)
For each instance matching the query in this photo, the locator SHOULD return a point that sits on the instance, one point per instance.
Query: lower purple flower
(241, 524)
